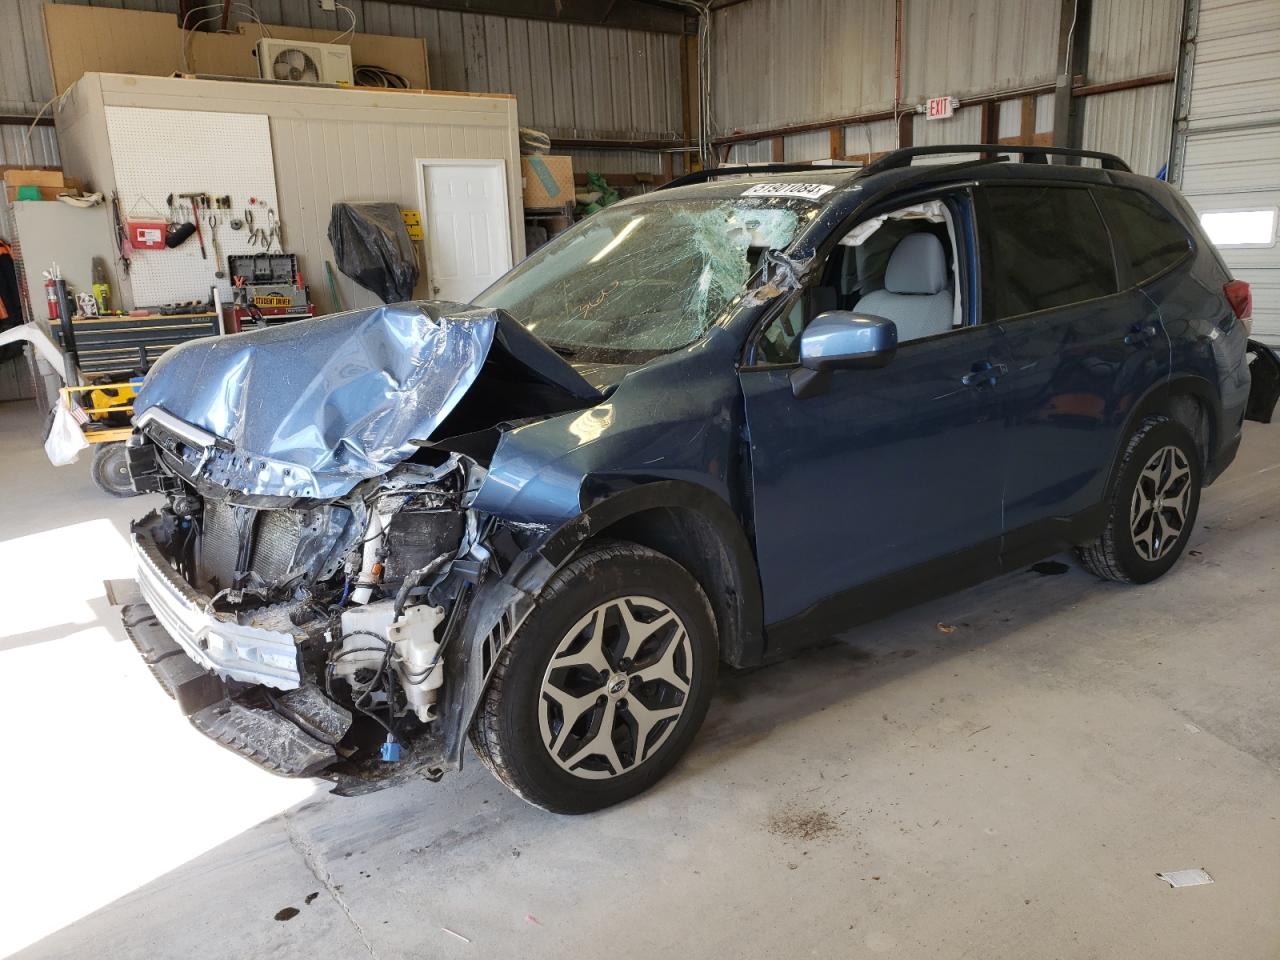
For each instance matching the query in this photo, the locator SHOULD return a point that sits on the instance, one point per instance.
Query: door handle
(984, 374)
(1140, 334)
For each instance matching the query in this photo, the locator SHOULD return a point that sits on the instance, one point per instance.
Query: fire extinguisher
(51, 294)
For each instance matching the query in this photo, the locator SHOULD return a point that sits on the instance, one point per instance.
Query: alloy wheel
(615, 687)
(1161, 499)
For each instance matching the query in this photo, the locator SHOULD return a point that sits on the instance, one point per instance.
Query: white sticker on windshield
(805, 191)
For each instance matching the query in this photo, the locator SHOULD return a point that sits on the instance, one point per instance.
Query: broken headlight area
(307, 635)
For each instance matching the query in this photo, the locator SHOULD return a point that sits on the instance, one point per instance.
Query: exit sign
(941, 107)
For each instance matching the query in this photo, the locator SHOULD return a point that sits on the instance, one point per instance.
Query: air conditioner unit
(299, 61)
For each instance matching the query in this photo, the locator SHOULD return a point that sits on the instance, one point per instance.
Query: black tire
(506, 733)
(1116, 555)
(110, 470)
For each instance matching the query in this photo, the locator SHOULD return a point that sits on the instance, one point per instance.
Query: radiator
(274, 534)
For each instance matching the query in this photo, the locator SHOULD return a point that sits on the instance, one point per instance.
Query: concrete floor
(1006, 788)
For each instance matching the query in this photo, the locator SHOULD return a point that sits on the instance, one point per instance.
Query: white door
(1227, 155)
(468, 234)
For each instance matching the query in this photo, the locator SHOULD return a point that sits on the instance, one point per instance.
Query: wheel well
(1190, 411)
(692, 540)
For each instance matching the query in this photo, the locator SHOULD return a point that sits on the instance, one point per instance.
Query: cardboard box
(548, 180)
(17, 177)
(50, 183)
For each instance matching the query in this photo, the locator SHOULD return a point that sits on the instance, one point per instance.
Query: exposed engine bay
(364, 590)
(322, 635)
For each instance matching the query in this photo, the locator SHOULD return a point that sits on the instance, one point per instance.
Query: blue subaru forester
(716, 422)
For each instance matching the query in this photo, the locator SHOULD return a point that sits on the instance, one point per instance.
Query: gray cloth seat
(916, 294)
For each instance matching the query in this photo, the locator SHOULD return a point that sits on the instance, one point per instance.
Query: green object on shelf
(596, 182)
(27, 193)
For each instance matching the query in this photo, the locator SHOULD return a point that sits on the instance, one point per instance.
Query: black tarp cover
(372, 247)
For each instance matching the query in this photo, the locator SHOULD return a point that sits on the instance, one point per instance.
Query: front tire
(1152, 506)
(604, 685)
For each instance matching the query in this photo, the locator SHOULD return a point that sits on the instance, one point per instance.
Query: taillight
(1241, 299)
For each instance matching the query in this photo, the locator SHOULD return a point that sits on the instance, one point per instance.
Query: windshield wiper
(566, 352)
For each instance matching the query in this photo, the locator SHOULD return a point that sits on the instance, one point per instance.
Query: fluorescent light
(622, 235)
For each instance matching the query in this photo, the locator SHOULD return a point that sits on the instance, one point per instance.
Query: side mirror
(841, 340)
(844, 340)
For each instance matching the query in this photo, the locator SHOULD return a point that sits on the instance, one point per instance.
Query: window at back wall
(1240, 228)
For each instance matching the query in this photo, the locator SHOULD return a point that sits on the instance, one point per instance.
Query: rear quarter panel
(1206, 340)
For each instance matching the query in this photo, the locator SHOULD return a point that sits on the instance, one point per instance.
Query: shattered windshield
(638, 280)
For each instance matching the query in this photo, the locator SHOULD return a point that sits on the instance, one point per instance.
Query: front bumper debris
(190, 684)
(234, 651)
(296, 739)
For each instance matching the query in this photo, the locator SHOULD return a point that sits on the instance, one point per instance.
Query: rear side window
(1043, 247)
(1151, 239)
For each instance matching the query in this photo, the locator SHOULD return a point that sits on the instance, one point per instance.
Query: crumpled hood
(311, 408)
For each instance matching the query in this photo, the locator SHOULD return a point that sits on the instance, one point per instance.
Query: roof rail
(702, 176)
(902, 158)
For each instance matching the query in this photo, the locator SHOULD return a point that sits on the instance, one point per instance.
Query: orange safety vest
(5, 251)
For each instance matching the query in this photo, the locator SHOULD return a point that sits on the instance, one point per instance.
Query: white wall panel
(332, 146)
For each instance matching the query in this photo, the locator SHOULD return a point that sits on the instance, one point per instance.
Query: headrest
(917, 265)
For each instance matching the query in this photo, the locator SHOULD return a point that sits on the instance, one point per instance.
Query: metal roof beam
(625, 14)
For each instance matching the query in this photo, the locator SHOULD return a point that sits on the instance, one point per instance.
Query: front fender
(501, 603)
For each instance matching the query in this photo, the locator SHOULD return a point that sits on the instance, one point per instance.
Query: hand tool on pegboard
(198, 200)
(213, 241)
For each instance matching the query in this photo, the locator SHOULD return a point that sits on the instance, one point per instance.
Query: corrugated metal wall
(16, 150)
(1127, 39)
(979, 46)
(570, 80)
(25, 81)
(780, 62)
(1136, 125)
(825, 60)
(1133, 38)
(775, 62)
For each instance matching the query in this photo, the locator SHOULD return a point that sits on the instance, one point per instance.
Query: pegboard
(158, 152)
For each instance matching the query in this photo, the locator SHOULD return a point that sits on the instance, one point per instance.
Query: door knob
(1140, 333)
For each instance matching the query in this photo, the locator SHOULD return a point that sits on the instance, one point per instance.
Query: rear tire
(604, 685)
(110, 470)
(1152, 506)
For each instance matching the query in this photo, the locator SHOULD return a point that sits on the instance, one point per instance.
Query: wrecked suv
(713, 423)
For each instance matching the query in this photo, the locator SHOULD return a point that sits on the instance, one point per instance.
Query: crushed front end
(316, 604)
(308, 637)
